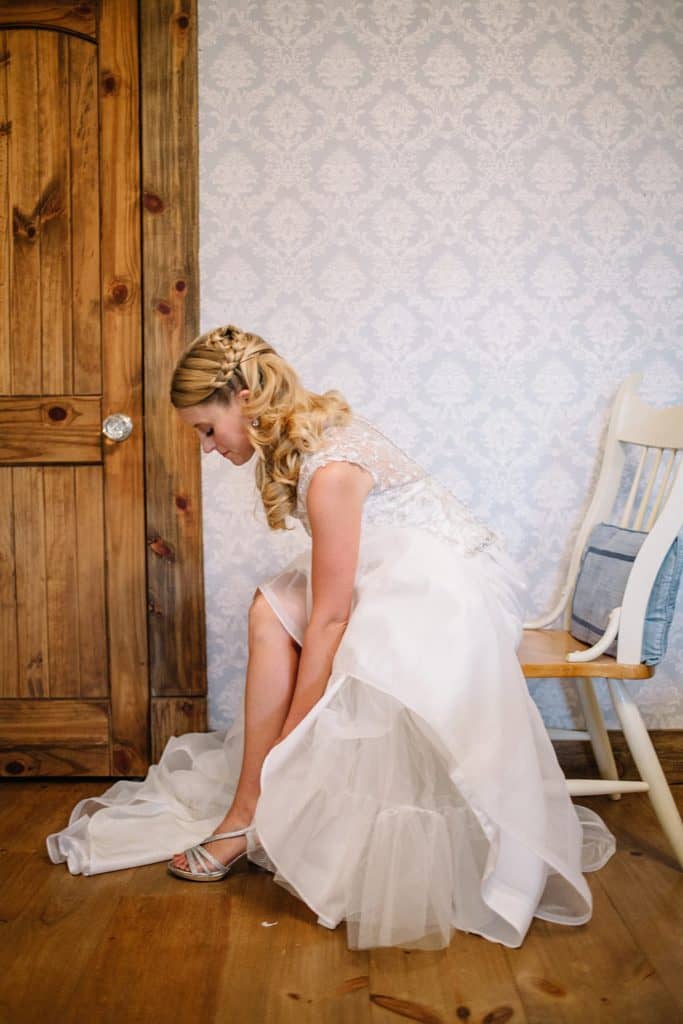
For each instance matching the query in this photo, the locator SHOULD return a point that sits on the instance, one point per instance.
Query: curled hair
(217, 365)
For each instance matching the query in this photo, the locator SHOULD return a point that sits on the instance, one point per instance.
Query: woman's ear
(243, 395)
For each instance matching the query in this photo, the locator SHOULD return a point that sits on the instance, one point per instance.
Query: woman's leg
(271, 676)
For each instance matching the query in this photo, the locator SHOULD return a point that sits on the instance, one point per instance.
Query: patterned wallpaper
(467, 217)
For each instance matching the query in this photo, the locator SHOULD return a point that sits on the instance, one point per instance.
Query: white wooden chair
(655, 505)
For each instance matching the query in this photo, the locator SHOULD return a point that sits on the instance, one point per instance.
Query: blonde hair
(290, 420)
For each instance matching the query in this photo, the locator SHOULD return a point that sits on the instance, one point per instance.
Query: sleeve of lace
(336, 450)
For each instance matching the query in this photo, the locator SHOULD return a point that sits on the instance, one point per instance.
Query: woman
(390, 767)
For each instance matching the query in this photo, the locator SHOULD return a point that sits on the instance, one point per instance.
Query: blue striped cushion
(605, 566)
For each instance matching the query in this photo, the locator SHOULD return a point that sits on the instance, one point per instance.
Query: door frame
(170, 319)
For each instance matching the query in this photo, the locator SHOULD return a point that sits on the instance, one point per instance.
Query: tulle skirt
(420, 795)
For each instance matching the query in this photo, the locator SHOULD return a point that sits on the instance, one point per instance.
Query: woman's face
(221, 428)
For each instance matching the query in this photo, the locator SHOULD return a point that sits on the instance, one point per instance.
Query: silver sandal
(200, 860)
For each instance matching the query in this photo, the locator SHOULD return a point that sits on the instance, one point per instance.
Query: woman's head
(213, 386)
(242, 396)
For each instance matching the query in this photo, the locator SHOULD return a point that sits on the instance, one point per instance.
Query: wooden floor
(141, 946)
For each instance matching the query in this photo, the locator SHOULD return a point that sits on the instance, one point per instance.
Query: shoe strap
(228, 835)
(209, 859)
(201, 861)
(193, 861)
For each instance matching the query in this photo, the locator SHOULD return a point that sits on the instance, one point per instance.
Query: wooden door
(74, 694)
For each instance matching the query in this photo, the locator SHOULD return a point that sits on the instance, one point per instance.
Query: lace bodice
(403, 494)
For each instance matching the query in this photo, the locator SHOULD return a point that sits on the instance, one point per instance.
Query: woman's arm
(335, 507)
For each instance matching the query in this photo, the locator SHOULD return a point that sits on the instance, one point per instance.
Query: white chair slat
(645, 501)
(674, 478)
(661, 490)
(628, 509)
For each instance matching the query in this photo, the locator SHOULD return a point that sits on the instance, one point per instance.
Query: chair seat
(542, 653)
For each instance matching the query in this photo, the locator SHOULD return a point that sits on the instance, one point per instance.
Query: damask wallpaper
(467, 217)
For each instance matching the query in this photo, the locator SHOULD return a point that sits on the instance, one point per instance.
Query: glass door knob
(117, 427)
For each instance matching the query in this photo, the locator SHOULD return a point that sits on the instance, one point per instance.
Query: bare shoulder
(338, 481)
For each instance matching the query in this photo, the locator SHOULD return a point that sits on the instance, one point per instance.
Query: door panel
(72, 531)
(53, 610)
(53, 265)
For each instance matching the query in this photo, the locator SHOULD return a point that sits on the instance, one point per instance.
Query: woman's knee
(262, 618)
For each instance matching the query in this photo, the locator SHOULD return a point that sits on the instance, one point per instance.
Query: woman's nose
(208, 444)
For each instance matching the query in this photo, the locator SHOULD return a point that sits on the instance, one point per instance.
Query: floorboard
(141, 946)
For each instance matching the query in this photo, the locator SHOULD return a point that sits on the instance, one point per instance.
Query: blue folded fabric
(605, 566)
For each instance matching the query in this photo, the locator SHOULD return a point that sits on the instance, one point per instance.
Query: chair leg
(595, 725)
(647, 763)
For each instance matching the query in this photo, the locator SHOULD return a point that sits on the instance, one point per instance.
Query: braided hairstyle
(210, 367)
(290, 420)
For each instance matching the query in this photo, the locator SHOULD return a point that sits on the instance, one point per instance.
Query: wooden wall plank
(29, 546)
(60, 14)
(62, 580)
(9, 677)
(5, 130)
(173, 716)
(55, 212)
(24, 204)
(55, 429)
(171, 319)
(85, 219)
(91, 582)
(122, 349)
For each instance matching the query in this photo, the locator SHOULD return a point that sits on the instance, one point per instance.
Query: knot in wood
(118, 293)
(152, 202)
(162, 549)
(110, 83)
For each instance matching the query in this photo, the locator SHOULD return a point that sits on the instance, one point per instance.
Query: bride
(387, 765)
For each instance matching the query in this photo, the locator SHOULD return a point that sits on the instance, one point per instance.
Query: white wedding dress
(421, 793)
